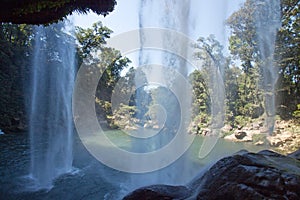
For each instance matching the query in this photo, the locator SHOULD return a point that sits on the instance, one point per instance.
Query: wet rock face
(265, 175)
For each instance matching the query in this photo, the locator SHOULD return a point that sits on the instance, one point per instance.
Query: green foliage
(16, 47)
(296, 113)
(288, 57)
(201, 97)
(123, 116)
(92, 39)
(241, 120)
(208, 82)
(244, 48)
(233, 95)
(94, 53)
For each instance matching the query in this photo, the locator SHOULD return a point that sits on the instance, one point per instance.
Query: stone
(227, 128)
(256, 126)
(258, 143)
(278, 132)
(230, 137)
(240, 135)
(206, 132)
(275, 142)
(155, 127)
(130, 128)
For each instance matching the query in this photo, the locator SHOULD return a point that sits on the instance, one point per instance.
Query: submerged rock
(244, 175)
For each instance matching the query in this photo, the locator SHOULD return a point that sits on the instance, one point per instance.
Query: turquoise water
(90, 179)
(221, 149)
(182, 171)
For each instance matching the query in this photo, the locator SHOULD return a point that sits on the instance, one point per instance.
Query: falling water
(267, 23)
(165, 73)
(160, 67)
(51, 126)
(178, 16)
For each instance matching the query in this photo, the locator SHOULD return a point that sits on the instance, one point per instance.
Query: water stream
(267, 23)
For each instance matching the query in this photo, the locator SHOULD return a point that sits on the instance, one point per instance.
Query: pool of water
(90, 179)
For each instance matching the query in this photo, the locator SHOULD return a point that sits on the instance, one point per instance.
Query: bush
(241, 120)
(296, 113)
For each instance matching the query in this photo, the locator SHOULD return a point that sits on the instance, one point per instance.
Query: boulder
(226, 129)
(240, 135)
(206, 132)
(146, 125)
(265, 175)
(244, 175)
(275, 142)
(256, 126)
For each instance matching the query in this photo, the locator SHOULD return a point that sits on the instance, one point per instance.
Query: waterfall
(176, 16)
(160, 68)
(50, 120)
(267, 22)
(162, 76)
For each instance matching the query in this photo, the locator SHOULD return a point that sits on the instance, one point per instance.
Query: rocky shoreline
(284, 139)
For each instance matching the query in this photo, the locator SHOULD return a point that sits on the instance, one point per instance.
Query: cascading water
(267, 21)
(177, 16)
(159, 67)
(51, 122)
(165, 81)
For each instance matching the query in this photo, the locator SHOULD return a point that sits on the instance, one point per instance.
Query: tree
(247, 47)
(201, 98)
(213, 63)
(233, 77)
(95, 55)
(288, 58)
(16, 48)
